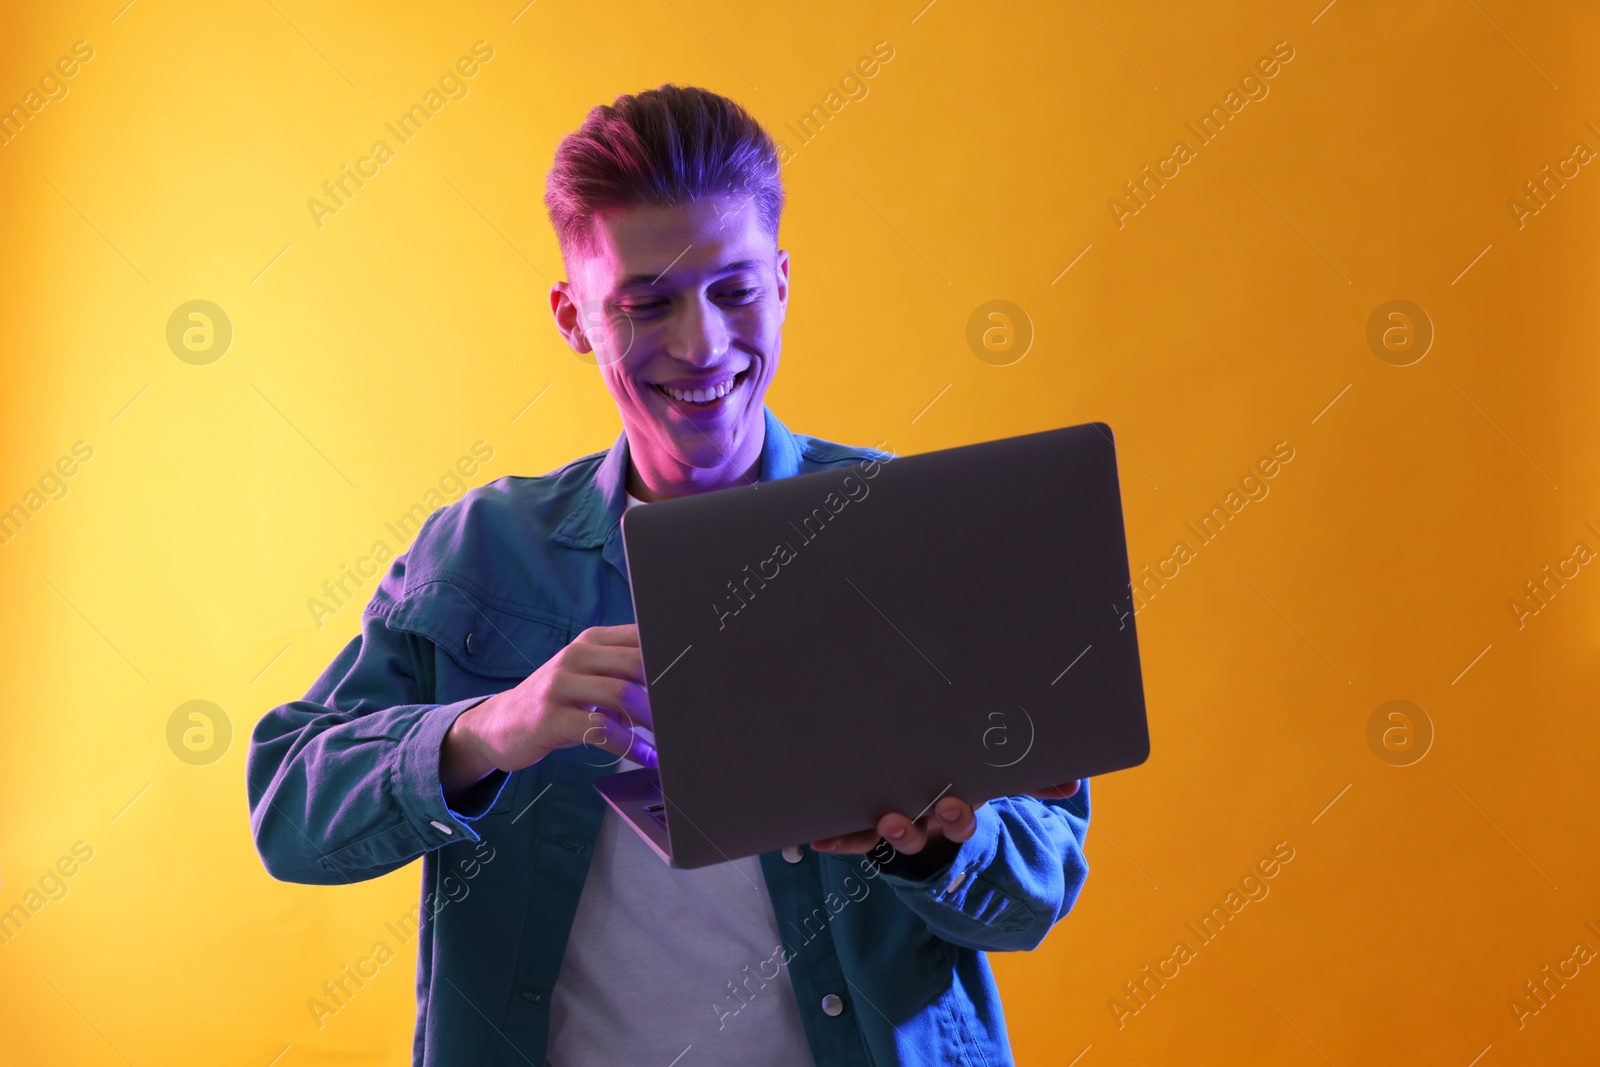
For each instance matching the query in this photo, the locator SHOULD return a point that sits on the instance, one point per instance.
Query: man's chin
(696, 447)
(706, 454)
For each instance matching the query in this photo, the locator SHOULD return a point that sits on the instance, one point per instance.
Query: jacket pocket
(482, 635)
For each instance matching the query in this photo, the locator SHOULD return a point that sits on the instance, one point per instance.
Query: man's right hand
(591, 692)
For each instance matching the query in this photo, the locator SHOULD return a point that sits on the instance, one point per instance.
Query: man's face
(682, 308)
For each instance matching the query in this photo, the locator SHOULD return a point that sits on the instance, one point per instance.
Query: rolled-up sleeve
(344, 783)
(1008, 884)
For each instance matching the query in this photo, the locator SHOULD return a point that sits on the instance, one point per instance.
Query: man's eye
(645, 307)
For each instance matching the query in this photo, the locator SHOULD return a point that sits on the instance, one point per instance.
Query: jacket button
(792, 853)
(832, 1005)
(468, 645)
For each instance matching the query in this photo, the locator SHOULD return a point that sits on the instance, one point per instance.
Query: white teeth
(703, 395)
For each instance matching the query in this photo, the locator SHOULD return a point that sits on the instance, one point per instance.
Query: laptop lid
(824, 649)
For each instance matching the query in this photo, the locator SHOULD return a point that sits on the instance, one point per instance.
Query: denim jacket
(344, 786)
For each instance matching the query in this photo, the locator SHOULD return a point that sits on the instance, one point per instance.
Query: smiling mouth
(710, 395)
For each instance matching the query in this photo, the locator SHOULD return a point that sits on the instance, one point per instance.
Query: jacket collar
(597, 512)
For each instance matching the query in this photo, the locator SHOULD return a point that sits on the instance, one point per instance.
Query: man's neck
(685, 483)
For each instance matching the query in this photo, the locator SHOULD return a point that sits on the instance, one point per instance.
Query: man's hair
(665, 146)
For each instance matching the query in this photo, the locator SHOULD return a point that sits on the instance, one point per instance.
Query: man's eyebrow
(647, 278)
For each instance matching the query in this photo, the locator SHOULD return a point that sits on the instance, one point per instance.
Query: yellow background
(1226, 316)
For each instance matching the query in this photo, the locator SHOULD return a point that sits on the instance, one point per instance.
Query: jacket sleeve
(344, 784)
(1004, 887)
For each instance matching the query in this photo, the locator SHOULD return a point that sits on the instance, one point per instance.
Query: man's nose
(699, 335)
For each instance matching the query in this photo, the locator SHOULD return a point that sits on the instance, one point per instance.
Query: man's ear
(564, 305)
(781, 266)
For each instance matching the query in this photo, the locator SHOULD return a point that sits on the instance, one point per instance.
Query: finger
(861, 841)
(625, 701)
(904, 834)
(612, 661)
(626, 634)
(955, 818)
(602, 731)
(643, 753)
(1056, 792)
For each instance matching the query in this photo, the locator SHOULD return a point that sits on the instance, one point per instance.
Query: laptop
(825, 649)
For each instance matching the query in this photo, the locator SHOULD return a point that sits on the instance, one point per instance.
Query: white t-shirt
(660, 961)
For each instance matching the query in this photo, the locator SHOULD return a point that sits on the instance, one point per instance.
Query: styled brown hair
(665, 146)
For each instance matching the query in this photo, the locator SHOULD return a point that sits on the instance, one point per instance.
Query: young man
(497, 673)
